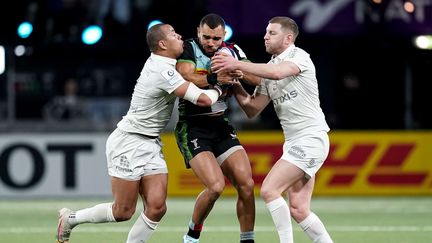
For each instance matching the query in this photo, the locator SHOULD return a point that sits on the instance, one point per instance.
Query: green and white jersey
(193, 53)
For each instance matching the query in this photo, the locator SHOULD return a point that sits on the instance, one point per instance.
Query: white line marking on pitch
(93, 229)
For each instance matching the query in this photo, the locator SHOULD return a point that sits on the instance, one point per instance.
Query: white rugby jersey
(295, 98)
(152, 100)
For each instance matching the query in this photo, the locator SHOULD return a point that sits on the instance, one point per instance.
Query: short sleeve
(171, 80)
(302, 60)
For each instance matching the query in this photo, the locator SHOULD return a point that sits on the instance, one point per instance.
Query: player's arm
(246, 77)
(187, 70)
(251, 79)
(269, 71)
(252, 105)
(190, 92)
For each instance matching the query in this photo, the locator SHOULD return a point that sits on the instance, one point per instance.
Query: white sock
(100, 213)
(314, 228)
(141, 230)
(282, 219)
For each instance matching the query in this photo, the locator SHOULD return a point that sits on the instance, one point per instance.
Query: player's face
(275, 39)
(211, 39)
(174, 41)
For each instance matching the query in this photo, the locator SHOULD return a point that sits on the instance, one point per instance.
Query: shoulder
(188, 45)
(170, 77)
(299, 52)
(188, 51)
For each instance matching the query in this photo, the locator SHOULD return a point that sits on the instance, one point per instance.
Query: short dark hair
(213, 21)
(287, 23)
(154, 35)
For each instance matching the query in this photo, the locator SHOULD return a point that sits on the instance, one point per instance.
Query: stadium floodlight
(25, 29)
(229, 32)
(2, 60)
(154, 22)
(91, 34)
(423, 42)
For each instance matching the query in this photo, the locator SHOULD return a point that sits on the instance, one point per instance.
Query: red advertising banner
(359, 163)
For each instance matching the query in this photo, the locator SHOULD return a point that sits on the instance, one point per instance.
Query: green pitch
(349, 220)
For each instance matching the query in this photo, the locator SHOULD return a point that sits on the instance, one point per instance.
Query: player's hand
(221, 53)
(236, 74)
(225, 78)
(220, 63)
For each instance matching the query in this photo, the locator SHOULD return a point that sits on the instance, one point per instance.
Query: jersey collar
(168, 60)
(284, 54)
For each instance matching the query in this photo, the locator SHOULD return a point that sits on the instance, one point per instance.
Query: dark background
(370, 74)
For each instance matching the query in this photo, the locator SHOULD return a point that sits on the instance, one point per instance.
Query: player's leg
(236, 167)
(282, 175)
(153, 191)
(125, 198)
(124, 191)
(300, 196)
(315, 148)
(123, 207)
(238, 170)
(206, 168)
(195, 139)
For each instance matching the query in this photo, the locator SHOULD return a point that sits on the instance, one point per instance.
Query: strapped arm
(193, 93)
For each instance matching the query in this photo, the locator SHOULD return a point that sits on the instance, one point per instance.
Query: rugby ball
(228, 51)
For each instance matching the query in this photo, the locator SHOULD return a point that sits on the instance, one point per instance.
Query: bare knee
(268, 194)
(246, 189)
(122, 212)
(215, 190)
(155, 211)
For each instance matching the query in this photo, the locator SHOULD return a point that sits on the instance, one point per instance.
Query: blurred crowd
(364, 83)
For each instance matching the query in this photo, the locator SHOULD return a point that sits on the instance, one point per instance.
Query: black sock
(194, 233)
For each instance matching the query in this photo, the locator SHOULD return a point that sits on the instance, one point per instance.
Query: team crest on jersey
(169, 75)
(195, 143)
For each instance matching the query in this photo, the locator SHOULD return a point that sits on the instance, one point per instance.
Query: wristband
(218, 89)
(212, 78)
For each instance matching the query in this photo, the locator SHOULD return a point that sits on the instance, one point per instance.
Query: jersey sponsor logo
(118, 168)
(297, 152)
(285, 97)
(124, 164)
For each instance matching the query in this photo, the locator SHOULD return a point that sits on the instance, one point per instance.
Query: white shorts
(131, 156)
(307, 152)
